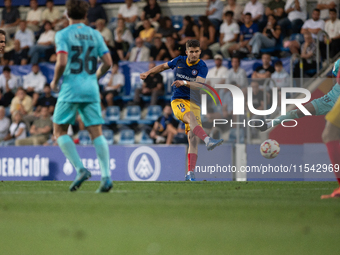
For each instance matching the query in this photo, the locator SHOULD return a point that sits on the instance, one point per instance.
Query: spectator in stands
(45, 42)
(50, 14)
(237, 74)
(236, 9)
(4, 124)
(25, 36)
(139, 53)
(280, 76)
(229, 32)
(34, 83)
(105, 32)
(33, 17)
(95, 12)
(268, 38)
(206, 53)
(40, 131)
(258, 103)
(189, 30)
(123, 38)
(158, 50)
(214, 11)
(165, 127)
(21, 102)
(47, 100)
(308, 55)
(255, 8)
(166, 28)
(128, 12)
(332, 27)
(207, 30)
(152, 86)
(313, 25)
(8, 83)
(148, 33)
(325, 6)
(297, 14)
(276, 8)
(152, 12)
(113, 83)
(265, 70)
(17, 130)
(173, 50)
(17, 56)
(10, 18)
(218, 73)
(247, 30)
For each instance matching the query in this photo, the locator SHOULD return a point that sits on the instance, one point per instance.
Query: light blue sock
(290, 115)
(68, 147)
(102, 150)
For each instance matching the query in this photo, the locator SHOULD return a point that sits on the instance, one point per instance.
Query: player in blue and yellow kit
(185, 102)
(78, 47)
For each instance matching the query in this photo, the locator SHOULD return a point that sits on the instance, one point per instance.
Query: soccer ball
(270, 148)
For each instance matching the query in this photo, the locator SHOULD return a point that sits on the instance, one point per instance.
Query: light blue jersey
(83, 45)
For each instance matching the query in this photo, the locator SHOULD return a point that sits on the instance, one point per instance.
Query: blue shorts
(66, 112)
(324, 104)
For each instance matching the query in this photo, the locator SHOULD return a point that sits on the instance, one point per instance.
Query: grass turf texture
(169, 218)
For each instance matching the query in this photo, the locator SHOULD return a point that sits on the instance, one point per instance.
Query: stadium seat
(127, 136)
(177, 21)
(84, 137)
(145, 139)
(133, 113)
(154, 111)
(108, 134)
(112, 114)
(276, 48)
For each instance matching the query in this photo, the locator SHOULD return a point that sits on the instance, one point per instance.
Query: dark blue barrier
(138, 163)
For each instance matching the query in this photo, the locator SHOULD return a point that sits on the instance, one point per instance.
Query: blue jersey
(83, 45)
(187, 72)
(248, 32)
(336, 68)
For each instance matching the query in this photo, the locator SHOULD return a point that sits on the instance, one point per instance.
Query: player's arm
(190, 84)
(105, 66)
(59, 69)
(155, 70)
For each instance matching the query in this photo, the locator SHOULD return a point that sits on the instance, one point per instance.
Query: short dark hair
(248, 14)
(77, 9)
(333, 10)
(2, 32)
(237, 57)
(49, 1)
(47, 85)
(278, 63)
(193, 43)
(231, 13)
(316, 10)
(6, 69)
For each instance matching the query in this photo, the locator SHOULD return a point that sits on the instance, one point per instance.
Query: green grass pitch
(169, 218)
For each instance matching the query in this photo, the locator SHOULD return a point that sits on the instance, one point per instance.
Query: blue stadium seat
(112, 114)
(133, 113)
(127, 136)
(177, 21)
(145, 139)
(108, 134)
(154, 111)
(84, 137)
(277, 47)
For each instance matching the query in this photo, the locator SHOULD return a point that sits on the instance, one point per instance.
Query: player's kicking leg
(331, 137)
(196, 132)
(68, 147)
(102, 150)
(293, 114)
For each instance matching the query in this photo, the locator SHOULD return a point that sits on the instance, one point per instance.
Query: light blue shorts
(324, 104)
(66, 112)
